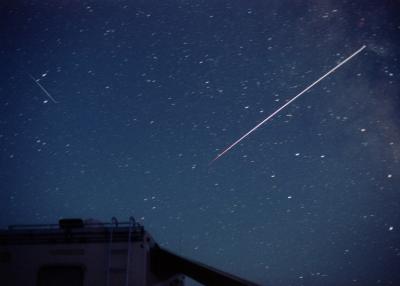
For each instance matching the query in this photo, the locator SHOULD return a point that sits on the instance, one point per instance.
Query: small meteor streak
(42, 88)
(287, 103)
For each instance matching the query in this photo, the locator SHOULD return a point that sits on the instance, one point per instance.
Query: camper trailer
(78, 252)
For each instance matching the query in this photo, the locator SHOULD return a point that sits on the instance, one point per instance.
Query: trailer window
(60, 276)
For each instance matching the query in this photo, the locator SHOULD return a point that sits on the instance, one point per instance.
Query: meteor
(42, 88)
(287, 103)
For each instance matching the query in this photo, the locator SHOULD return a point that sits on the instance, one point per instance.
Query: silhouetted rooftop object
(89, 252)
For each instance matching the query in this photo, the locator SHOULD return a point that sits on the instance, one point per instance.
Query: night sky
(149, 92)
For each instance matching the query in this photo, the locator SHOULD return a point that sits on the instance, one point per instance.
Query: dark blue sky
(149, 92)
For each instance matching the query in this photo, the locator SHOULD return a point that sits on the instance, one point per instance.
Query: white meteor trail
(287, 103)
(42, 88)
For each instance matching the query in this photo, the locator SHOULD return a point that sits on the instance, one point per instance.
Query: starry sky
(116, 108)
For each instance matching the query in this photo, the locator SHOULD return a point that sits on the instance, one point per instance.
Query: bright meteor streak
(287, 103)
(42, 88)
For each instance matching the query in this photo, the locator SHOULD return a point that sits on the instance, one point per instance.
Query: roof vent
(69, 223)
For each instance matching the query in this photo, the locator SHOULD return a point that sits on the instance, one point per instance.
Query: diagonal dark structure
(166, 264)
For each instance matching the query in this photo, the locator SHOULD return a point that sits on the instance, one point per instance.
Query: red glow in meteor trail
(286, 104)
